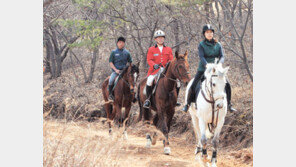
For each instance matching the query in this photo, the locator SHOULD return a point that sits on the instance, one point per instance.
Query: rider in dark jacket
(208, 50)
(118, 60)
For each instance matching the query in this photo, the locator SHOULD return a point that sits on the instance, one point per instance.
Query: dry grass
(77, 144)
(89, 144)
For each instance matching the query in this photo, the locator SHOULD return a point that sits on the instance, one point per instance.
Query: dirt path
(95, 147)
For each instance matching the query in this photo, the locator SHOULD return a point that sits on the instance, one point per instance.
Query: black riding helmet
(121, 39)
(207, 27)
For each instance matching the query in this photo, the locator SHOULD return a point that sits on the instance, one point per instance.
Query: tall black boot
(148, 94)
(191, 92)
(189, 100)
(111, 97)
(228, 96)
(178, 104)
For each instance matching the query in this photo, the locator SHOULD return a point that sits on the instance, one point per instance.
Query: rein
(121, 77)
(212, 102)
(177, 69)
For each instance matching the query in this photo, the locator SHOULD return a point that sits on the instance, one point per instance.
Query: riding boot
(191, 92)
(189, 100)
(148, 94)
(228, 96)
(178, 104)
(111, 97)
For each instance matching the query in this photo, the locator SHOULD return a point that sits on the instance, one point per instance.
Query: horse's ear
(216, 60)
(176, 54)
(186, 54)
(226, 70)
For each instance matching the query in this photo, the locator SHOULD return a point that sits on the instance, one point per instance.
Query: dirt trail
(120, 152)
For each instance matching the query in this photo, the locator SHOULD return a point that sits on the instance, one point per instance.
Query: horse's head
(181, 67)
(215, 80)
(131, 74)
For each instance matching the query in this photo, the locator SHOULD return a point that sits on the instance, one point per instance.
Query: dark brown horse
(124, 95)
(165, 97)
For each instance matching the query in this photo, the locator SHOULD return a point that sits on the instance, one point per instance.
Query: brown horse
(165, 97)
(124, 95)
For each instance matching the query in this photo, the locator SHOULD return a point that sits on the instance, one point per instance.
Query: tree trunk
(93, 65)
(176, 33)
(47, 61)
(207, 9)
(245, 60)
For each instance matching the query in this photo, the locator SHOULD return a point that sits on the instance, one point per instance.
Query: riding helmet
(207, 27)
(159, 33)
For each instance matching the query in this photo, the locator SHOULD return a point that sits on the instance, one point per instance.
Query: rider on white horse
(209, 115)
(208, 50)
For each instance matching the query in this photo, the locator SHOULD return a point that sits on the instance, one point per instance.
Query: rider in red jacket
(158, 56)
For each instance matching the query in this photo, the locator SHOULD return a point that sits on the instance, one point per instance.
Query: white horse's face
(216, 80)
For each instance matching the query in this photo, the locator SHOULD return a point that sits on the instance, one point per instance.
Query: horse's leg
(112, 113)
(169, 114)
(197, 133)
(147, 120)
(147, 114)
(162, 124)
(203, 141)
(118, 114)
(215, 141)
(141, 111)
(126, 118)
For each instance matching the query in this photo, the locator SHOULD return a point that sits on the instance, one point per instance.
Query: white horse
(211, 99)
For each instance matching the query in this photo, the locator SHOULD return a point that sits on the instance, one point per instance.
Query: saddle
(155, 82)
(116, 81)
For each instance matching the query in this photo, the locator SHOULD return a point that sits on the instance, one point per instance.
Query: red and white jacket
(154, 56)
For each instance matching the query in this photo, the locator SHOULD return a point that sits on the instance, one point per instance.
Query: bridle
(125, 81)
(177, 69)
(212, 101)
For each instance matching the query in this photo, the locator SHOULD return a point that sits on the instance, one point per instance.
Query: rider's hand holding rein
(156, 66)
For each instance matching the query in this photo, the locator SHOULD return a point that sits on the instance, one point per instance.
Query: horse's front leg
(162, 125)
(110, 117)
(215, 141)
(126, 118)
(203, 141)
(197, 133)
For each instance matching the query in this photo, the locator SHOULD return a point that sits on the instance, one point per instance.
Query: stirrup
(185, 108)
(111, 97)
(146, 104)
(231, 109)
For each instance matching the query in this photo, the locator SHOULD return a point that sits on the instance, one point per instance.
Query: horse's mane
(134, 69)
(124, 70)
(165, 70)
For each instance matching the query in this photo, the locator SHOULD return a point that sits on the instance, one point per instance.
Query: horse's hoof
(148, 144)
(167, 150)
(197, 150)
(214, 164)
(125, 137)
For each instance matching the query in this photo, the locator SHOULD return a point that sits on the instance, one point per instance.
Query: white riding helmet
(159, 33)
